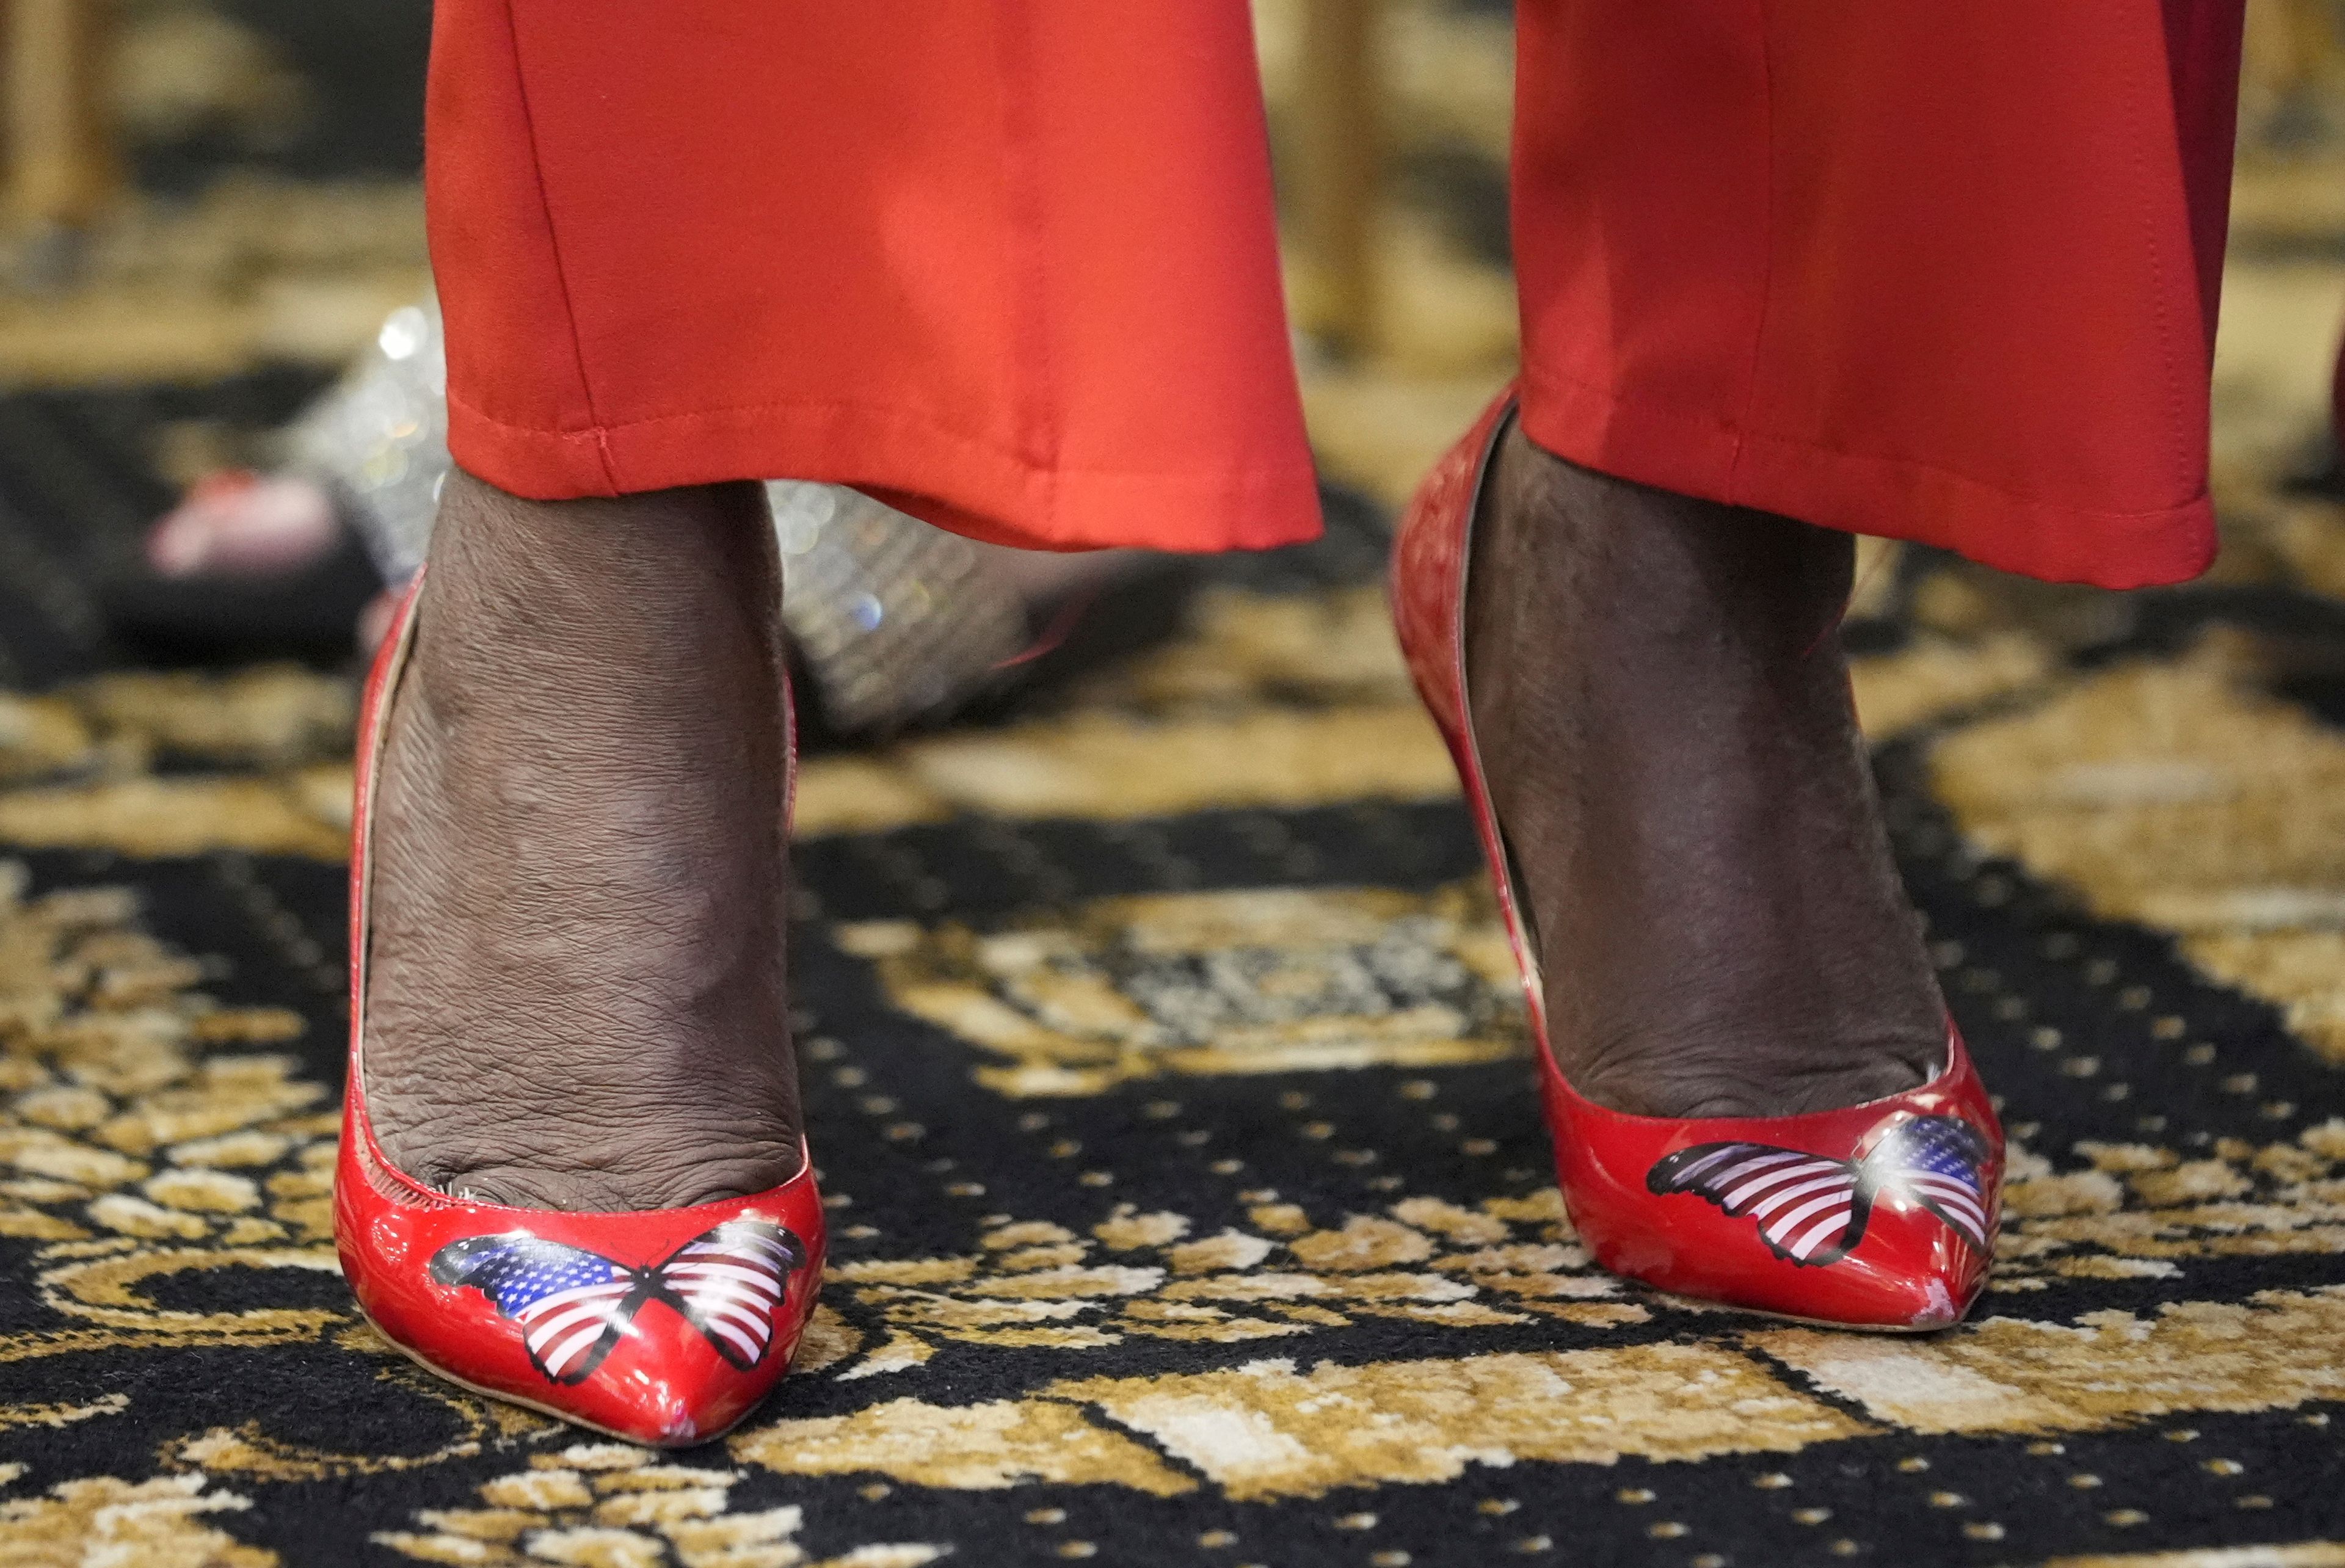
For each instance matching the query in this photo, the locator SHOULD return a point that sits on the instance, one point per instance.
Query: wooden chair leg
(64, 168)
(1340, 164)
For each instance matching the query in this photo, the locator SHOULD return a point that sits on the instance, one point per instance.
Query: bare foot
(577, 993)
(1663, 711)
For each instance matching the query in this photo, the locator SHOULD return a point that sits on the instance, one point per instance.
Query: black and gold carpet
(1190, 1201)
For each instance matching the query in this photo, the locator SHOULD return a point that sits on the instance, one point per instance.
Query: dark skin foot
(1662, 709)
(577, 998)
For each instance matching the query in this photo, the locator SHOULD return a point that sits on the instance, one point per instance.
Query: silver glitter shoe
(896, 622)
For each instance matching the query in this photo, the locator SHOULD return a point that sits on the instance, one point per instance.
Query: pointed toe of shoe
(664, 1387)
(664, 1328)
(653, 1390)
(1938, 1282)
(1936, 1302)
(1918, 1282)
(1909, 1276)
(1881, 1216)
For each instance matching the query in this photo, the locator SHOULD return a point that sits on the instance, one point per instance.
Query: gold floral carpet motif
(1190, 1199)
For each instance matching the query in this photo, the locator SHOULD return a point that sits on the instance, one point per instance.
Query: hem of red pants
(1896, 497)
(942, 476)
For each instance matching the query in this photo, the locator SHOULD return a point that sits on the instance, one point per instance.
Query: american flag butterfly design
(574, 1305)
(1814, 1211)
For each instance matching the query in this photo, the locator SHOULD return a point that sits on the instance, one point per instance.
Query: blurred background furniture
(65, 163)
(1338, 169)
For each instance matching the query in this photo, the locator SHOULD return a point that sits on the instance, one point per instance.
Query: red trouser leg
(1941, 272)
(1011, 264)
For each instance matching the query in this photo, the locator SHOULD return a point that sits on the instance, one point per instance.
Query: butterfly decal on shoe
(574, 1305)
(1814, 1211)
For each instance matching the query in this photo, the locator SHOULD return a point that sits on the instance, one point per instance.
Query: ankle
(1677, 566)
(624, 591)
(553, 636)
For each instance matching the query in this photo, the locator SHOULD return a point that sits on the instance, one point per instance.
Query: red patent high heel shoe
(663, 1328)
(1879, 1215)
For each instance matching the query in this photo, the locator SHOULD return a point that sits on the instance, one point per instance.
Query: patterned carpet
(1191, 1202)
(1191, 1206)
